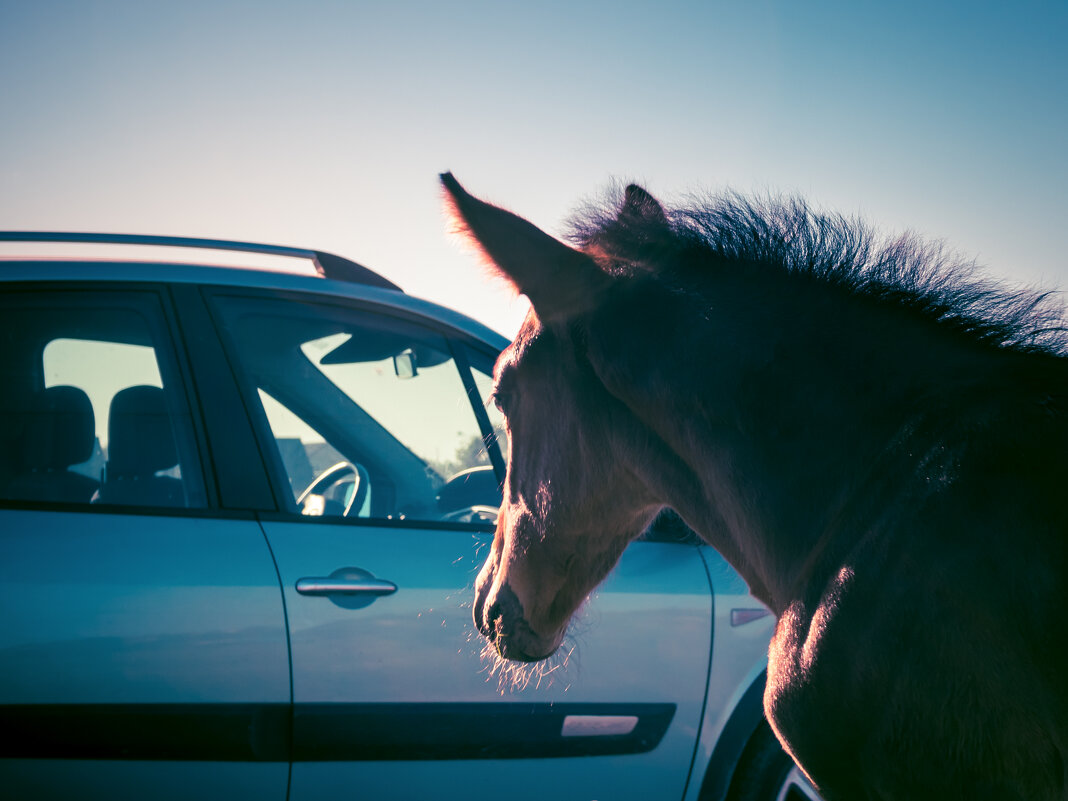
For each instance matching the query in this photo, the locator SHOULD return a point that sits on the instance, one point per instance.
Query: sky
(325, 124)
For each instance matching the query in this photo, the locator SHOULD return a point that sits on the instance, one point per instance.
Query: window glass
(76, 362)
(305, 454)
(87, 415)
(370, 415)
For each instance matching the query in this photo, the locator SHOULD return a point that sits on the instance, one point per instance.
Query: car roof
(333, 275)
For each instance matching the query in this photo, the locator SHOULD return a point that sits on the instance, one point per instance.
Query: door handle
(348, 581)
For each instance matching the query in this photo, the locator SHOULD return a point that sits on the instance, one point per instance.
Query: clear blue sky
(325, 124)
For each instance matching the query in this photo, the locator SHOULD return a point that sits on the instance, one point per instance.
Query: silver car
(241, 512)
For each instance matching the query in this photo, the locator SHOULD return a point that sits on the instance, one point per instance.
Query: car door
(376, 427)
(142, 641)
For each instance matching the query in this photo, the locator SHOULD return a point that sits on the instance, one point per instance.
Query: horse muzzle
(500, 619)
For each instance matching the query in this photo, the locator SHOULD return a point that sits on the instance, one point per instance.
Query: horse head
(848, 421)
(574, 494)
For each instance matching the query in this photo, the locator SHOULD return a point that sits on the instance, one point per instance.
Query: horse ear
(559, 280)
(639, 204)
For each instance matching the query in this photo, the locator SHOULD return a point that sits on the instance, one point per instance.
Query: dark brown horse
(875, 439)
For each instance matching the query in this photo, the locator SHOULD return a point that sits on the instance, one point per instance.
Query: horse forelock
(786, 237)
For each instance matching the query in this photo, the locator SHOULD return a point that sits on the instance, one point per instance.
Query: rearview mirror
(404, 364)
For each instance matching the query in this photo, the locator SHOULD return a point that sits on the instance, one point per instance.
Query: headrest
(61, 429)
(140, 440)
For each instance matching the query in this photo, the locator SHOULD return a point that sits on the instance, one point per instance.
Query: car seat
(140, 446)
(60, 431)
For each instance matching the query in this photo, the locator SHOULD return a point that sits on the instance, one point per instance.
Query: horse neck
(798, 429)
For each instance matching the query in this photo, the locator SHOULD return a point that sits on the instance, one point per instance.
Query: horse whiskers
(515, 677)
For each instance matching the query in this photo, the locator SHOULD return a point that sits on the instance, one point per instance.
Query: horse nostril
(499, 619)
(496, 625)
(484, 620)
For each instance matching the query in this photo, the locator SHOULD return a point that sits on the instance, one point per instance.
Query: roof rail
(326, 264)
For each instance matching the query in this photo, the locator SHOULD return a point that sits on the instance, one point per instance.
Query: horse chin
(525, 646)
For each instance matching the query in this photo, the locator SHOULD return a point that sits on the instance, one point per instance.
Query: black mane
(789, 236)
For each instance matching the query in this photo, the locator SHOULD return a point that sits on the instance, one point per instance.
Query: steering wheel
(470, 496)
(332, 476)
(477, 513)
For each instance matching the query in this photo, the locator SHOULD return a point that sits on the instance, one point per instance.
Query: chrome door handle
(330, 586)
(346, 581)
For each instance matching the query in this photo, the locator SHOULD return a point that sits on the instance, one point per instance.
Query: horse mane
(789, 236)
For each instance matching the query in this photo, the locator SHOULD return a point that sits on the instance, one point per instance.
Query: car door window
(92, 408)
(370, 416)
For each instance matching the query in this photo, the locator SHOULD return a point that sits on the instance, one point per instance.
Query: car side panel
(140, 656)
(736, 681)
(641, 648)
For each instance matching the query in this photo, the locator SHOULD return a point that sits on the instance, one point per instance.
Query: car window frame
(455, 339)
(463, 353)
(239, 466)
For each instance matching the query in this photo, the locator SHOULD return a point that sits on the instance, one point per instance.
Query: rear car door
(375, 426)
(142, 643)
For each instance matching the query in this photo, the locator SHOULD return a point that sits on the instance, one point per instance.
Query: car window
(306, 454)
(91, 408)
(370, 416)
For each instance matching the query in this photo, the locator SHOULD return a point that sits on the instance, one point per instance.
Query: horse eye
(498, 401)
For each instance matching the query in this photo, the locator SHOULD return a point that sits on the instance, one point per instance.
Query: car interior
(56, 444)
(327, 379)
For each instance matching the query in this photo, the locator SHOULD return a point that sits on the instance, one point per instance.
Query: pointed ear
(640, 205)
(559, 280)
